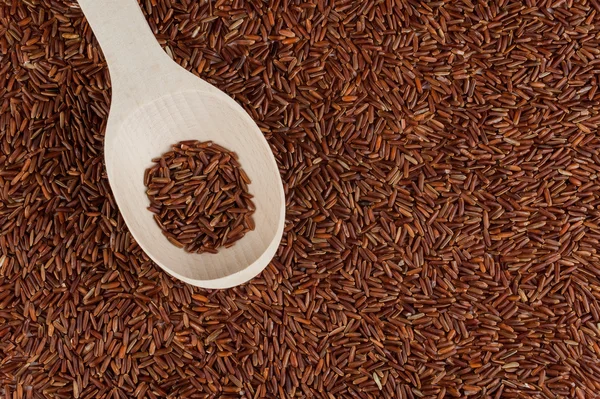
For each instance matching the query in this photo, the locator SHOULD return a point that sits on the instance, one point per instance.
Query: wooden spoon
(157, 103)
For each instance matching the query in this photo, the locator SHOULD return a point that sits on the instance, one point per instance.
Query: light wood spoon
(157, 103)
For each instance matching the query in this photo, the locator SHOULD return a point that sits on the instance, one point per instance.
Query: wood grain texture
(156, 103)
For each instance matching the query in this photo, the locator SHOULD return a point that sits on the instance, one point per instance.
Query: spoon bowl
(155, 104)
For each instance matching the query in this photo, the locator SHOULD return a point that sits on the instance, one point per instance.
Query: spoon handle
(128, 44)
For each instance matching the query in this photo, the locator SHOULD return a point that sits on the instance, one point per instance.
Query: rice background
(441, 165)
